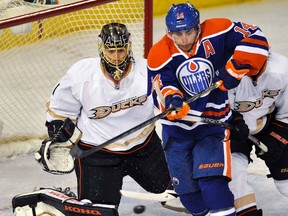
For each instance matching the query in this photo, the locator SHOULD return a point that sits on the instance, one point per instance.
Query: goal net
(41, 39)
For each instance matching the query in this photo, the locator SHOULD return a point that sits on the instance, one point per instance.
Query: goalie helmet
(115, 51)
(182, 17)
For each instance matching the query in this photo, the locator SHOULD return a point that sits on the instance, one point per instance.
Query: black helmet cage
(115, 36)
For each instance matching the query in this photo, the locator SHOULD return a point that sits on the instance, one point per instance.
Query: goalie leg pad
(239, 185)
(55, 202)
(41, 209)
(30, 204)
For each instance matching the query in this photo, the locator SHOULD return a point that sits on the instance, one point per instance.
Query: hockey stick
(162, 197)
(79, 153)
(169, 199)
(261, 145)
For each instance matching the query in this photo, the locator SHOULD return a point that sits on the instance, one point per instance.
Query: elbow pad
(231, 74)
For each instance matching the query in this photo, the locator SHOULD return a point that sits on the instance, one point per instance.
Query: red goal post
(39, 42)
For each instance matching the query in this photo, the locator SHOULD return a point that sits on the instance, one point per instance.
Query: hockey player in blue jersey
(187, 60)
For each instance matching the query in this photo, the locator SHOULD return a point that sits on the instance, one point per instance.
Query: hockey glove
(231, 74)
(275, 137)
(60, 131)
(240, 131)
(239, 135)
(55, 158)
(54, 153)
(181, 108)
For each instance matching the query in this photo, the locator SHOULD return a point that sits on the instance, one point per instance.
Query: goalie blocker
(48, 201)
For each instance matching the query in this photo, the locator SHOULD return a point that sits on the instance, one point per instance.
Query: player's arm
(252, 48)
(161, 72)
(250, 52)
(281, 101)
(54, 153)
(64, 101)
(166, 94)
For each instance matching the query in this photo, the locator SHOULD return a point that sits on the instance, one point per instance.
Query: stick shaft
(257, 142)
(79, 153)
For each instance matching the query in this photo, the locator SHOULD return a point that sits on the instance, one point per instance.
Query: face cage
(115, 71)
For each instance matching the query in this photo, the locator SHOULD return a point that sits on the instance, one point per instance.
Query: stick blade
(162, 197)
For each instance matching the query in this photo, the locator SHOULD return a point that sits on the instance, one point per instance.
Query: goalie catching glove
(55, 157)
(54, 153)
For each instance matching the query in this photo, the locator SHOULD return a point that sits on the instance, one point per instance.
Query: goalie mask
(115, 51)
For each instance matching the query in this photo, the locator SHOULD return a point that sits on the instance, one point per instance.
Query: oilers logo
(195, 75)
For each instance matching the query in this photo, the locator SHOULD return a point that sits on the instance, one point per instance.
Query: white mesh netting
(33, 56)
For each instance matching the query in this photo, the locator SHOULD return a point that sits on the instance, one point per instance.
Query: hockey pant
(206, 192)
(100, 176)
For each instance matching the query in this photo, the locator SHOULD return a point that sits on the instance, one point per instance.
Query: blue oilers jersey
(219, 40)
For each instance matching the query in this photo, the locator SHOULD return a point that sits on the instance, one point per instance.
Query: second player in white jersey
(258, 96)
(262, 100)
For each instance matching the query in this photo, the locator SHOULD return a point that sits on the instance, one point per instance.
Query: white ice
(20, 174)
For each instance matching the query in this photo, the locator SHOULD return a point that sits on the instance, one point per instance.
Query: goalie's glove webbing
(54, 153)
(55, 158)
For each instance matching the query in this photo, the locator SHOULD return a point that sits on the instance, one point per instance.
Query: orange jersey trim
(227, 154)
(166, 92)
(216, 114)
(161, 52)
(255, 41)
(255, 61)
(214, 26)
(80, 186)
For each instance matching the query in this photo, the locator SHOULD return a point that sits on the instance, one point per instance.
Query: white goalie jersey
(257, 98)
(103, 112)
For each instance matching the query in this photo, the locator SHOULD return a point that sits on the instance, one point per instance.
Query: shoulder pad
(161, 53)
(215, 26)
